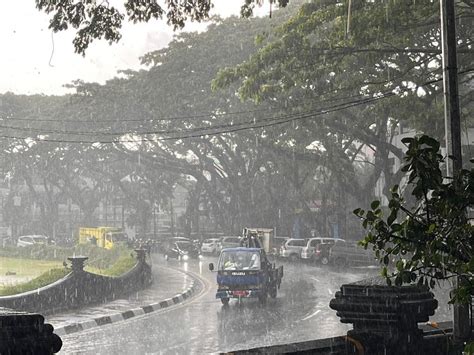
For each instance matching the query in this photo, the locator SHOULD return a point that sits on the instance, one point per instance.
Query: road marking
(312, 315)
(329, 290)
(315, 279)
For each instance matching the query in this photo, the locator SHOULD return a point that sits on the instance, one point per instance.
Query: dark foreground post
(385, 317)
(26, 333)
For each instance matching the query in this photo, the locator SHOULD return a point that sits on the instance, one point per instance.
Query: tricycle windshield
(239, 260)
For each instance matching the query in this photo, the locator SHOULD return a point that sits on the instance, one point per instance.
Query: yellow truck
(104, 237)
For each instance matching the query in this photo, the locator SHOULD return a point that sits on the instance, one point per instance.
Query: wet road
(201, 325)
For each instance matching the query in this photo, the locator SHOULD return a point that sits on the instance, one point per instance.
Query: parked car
(277, 243)
(230, 242)
(292, 248)
(29, 240)
(182, 250)
(350, 253)
(318, 249)
(211, 246)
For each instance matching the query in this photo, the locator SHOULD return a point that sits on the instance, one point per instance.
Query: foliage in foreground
(433, 240)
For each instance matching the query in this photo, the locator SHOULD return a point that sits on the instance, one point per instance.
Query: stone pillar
(385, 317)
(141, 255)
(145, 269)
(26, 333)
(77, 263)
(81, 287)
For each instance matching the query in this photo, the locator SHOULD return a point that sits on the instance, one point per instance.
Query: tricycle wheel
(225, 301)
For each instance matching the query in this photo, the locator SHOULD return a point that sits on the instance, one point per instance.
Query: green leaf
(431, 228)
(396, 227)
(375, 204)
(392, 217)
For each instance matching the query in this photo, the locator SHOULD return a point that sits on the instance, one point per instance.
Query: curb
(122, 316)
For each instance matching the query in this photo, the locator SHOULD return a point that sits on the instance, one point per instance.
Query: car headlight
(185, 257)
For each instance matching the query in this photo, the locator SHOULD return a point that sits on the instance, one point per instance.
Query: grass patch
(120, 267)
(44, 279)
(43, 264)
(26, 267)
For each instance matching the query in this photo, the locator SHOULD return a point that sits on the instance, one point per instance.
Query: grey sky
(29, 65)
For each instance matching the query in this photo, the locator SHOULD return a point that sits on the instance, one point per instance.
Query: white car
(211, 246)
(28, 240)
(292, 248)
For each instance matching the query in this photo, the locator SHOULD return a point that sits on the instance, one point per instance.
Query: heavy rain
(228, 177)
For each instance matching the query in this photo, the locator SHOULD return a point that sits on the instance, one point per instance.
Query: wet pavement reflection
(202, 325)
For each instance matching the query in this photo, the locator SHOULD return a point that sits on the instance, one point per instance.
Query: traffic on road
(203, 325)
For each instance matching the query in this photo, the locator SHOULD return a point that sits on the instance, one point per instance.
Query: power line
(176, 131)
(170, 118)
(230, 130)
(232, 127)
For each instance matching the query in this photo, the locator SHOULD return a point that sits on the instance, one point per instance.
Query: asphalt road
(202, 325)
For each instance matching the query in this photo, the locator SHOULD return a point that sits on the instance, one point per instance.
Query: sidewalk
(169, 287)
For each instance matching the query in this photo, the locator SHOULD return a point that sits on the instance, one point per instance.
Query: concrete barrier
(81, 288)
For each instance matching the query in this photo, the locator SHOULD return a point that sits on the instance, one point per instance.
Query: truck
(104, 237)
(246, 272)
(266, 237)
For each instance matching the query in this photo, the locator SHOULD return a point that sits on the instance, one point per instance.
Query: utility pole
(461, 324)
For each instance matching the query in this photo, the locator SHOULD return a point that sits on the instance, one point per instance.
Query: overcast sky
(33, 60)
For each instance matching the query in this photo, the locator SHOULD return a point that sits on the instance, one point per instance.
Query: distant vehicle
(246, 273)
(182, 250)
(318, 249)
(277, 244)
(211, 246)
(104, 237)
(350, 253)
(230, 242)
(29, 240)
(180, 239)
(266, 238)
(292, 248)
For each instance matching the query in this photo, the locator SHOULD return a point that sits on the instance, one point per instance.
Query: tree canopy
(282, 139)
(100, 20)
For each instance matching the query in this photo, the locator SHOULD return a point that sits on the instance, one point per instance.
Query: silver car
(211, 246)
(28, 240)
(292, 248)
